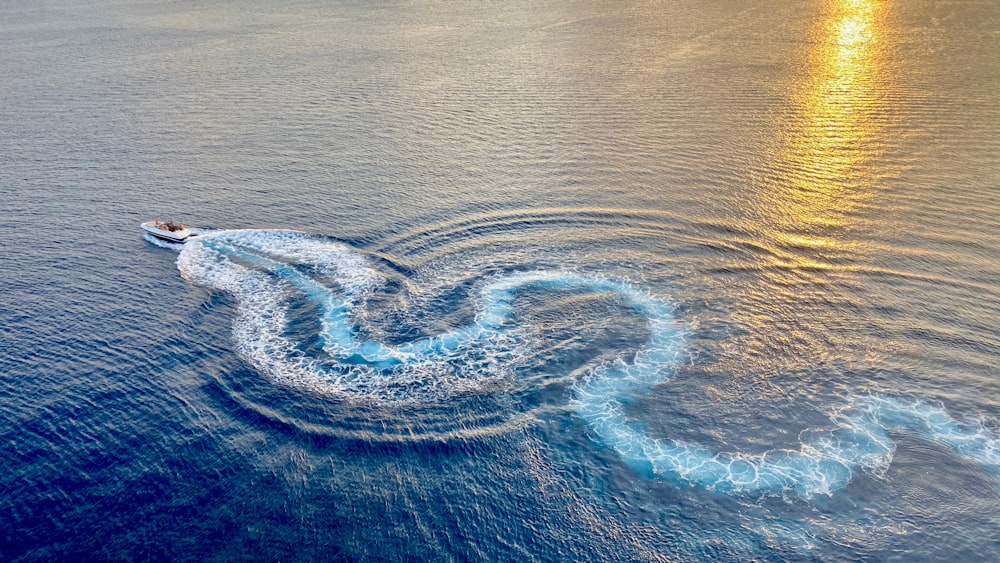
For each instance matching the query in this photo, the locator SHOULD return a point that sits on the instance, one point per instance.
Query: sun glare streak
(823, 171)
(824, 164)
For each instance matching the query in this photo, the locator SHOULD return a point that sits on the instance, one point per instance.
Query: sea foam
(263, 270)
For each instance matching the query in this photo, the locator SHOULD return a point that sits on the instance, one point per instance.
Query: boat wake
(274, 275)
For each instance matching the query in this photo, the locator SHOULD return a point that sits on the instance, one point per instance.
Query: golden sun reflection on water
(824, 166)
(820, 181)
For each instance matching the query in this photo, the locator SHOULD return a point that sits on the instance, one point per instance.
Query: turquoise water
(638, 281)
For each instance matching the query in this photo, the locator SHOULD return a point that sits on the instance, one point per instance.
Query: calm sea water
(506, 281)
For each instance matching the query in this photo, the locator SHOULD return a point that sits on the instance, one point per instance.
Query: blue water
(502, 281)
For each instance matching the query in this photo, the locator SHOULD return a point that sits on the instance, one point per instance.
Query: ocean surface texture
(503, 281)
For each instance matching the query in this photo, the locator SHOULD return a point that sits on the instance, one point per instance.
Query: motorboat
(169, 231)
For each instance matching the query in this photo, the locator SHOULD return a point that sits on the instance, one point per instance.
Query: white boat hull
(152, 228)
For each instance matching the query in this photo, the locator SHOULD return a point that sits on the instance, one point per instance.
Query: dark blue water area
(136, 430)
(587, 282)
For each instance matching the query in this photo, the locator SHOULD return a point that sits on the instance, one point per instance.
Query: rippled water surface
(503, 281)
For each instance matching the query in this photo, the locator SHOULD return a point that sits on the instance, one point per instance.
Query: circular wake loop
(271, 274)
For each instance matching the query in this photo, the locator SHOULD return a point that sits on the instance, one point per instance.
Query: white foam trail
(264, 269)
(824, 463)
